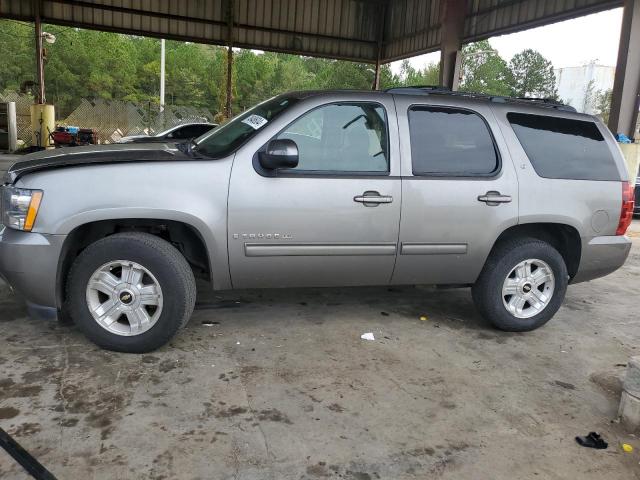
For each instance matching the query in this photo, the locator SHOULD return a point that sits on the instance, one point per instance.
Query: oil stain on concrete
(282, 387)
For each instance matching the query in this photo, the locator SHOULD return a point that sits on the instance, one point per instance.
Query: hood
(92, 155)
(147, 139)
(130, 138)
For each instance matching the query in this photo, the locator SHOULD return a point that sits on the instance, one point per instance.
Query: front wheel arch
(190, 241)
(130, 292)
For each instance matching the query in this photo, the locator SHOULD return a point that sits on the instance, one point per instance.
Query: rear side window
(450, 142)
(564, 148)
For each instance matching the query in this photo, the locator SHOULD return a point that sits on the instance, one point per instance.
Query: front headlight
(20, 207)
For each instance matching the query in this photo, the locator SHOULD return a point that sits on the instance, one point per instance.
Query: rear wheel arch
(185, 237)
(522, 285)
(564, 238)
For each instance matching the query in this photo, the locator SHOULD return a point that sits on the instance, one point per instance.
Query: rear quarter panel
(591, 207)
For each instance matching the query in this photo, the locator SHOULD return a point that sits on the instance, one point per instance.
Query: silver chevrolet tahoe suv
(515, 198)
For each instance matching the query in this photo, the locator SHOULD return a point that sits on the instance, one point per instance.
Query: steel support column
(162, 75)
(376, 77)
(40, 97)
(380, 46)
(625, 99)
(228, 113)
(452, 33)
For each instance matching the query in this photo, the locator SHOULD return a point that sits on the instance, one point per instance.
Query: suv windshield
(225, 139)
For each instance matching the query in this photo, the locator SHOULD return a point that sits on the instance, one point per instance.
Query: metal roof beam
(453, 18)
(341, 29)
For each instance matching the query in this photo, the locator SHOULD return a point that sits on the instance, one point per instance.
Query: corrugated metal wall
(347, 29)
(331, 28)
(412, 26)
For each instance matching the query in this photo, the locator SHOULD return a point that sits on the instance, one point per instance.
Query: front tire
(130, 292)
(522, 285)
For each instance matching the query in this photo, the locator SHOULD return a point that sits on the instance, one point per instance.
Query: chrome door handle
(372, 199)
(494, 198)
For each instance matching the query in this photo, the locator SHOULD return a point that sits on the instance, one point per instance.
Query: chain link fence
(111, 119)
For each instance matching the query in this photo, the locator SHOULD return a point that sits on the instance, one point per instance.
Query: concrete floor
(279, 385)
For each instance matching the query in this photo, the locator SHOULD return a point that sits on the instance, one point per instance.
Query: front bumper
(601, 256)
(29, 264)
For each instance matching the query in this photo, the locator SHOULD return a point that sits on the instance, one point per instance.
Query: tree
(532, 75)
(17, 62)
(603, 104)
(589, 101)
(484, 71)
(91, 64)
(409, 76)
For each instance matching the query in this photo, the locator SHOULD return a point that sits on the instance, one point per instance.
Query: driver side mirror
(280, 153)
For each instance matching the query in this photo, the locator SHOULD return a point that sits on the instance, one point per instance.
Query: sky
(566, 44)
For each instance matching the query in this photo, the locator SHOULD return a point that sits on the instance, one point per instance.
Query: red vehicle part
(64, 137)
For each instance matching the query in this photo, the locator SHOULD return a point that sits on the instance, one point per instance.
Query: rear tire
(521, 286)
(130, 292)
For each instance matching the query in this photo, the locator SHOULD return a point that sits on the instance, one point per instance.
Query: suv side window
(341, 137)
(447, 141)
(564, 147)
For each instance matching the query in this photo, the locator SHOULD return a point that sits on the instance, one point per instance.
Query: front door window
(341, 138)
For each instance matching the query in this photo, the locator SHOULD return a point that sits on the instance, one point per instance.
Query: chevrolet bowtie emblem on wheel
(125, 297)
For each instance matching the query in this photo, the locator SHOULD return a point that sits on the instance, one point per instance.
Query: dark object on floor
(20, 455)
(568, 386)
(209, 323)
(221, 304)
(593, 440)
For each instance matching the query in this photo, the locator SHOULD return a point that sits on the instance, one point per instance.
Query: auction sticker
(255, 121)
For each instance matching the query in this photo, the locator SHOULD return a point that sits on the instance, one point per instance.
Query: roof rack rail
(419, 89)
(441, 90)
(541, 99)
(543, 102)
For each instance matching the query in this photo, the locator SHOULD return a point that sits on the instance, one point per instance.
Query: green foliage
(91, 64)
(484, 71)
(528, 74)
(17, 55)
(409, 76)
(532, 75)
(603, 104)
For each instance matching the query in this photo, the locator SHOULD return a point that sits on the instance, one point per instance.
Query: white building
(580, 86)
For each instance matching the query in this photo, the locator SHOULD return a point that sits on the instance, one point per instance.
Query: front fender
(193, 193)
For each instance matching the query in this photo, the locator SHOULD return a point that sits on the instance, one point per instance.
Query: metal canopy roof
(361, 30)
